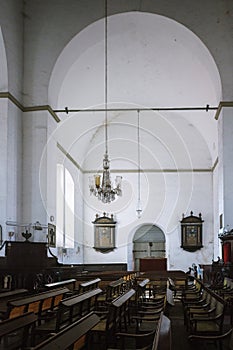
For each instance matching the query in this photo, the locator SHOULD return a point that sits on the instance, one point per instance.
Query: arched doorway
(149, 241)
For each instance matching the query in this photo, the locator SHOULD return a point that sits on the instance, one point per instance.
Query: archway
(149, 241)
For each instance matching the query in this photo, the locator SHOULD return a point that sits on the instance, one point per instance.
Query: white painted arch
(153, 61)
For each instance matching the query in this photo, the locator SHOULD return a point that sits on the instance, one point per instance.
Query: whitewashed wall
(47, 29)
(11, 80)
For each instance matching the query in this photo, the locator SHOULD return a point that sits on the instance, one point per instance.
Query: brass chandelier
(104, 190)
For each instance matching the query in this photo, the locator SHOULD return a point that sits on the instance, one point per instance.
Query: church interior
(116, 174)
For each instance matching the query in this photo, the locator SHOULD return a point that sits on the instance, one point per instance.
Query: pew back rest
(11, 327)
(35, 303)
(114, 289)
(164, 334)
(70, 284)
(81, 304)
(121, 305)
(67, 338)
(88, 285)
(155, 345)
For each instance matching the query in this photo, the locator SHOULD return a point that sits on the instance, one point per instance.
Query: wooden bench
(114, 289)
(10, 295)
(15, 332)
(38, 303)
(69, 311)
(70, 284)
(72, 337)
(116, 318)
(89, 285)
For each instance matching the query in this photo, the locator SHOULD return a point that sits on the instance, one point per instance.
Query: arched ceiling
(153, 61)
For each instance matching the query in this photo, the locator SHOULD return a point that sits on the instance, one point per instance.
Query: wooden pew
(114, 289)
(14, 332)
(37, 303)
(70, 284)
(69, 311)
(88, 285)
(72, 337)
(10, 295)
(139, 296)
(116, 317)
(164, 336)
(111, 292)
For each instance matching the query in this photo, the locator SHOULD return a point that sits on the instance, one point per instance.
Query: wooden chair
(207, 309)
(209, 325)
(221, 341)
(192, 294)
(144, 341)
(148, 314)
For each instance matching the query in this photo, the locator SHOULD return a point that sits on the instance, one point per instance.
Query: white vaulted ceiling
(153, 61)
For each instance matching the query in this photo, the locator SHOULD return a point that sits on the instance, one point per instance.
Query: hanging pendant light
(105, 191)
(139, 205)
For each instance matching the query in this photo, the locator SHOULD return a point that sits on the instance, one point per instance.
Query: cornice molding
(154, 171)
(221, 105)
(47, 108)
(68, 156)
(53, 113)
(135, 171)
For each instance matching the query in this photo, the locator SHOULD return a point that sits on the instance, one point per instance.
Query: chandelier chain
(106, 74)
(139, 160)
(139, 207)
(104, 190)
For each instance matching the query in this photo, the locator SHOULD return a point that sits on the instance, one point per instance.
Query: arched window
(65, 208)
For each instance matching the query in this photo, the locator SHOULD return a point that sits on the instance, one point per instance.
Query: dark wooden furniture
(72, 337)
(69, 311)
(164, 335)
(158, 338)
(217, 340)
(89, 285)
(103, 334)
(5, 297)
(153, 264)
(207, 318)
(70, 284)
(26, 262)
(14, 333)
(31, 265)
(37, 303)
